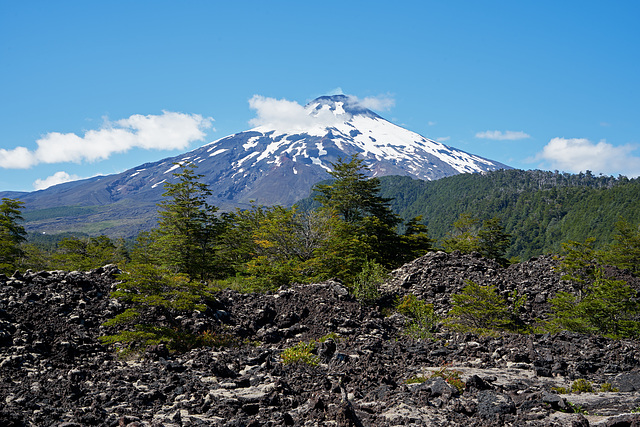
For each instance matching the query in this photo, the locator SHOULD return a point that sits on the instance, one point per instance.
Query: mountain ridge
(274, 163)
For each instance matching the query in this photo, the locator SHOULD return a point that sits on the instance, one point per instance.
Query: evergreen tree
(188, 228)
(93, 252)
(12, 234)
(353, 195)
(369, 229)
(625, 251)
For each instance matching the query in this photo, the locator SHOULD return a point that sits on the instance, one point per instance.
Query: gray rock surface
(55, 372)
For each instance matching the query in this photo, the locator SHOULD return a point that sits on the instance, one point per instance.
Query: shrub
(608, 387)
(479, 309)
(416, 380)
(608, 307)
(452, 377)
(161, 296)
(423, 318)
(365, 287)
(581, 386)
(301, 353)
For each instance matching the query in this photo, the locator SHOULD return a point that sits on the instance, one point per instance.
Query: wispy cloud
(443, 139)
(56, 178)
(378, 103)
(285, 115)
(502, 136)
(579, 155)
(167, 131)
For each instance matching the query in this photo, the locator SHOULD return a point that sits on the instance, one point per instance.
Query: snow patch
(218, 151)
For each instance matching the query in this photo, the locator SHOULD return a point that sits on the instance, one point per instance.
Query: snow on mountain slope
(276, 162)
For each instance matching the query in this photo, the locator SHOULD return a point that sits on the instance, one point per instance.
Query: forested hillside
(539, 209)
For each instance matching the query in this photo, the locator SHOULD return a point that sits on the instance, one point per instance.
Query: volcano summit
(277, 162)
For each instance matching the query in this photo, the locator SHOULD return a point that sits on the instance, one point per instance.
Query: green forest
(357, 229)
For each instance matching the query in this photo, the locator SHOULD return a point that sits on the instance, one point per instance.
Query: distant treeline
(539, 209)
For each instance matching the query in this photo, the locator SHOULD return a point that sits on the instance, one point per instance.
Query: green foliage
(156, 296)
(416, 380)
(12, 234)
(608, 388)
(88, 253)
(452, 377)
(581, 386)
(366, 285)
(560, 390)
(539, 209)
(479, 309)
(464, 236)
(187, 230)
(577, 409)
(489, 239)
(625, 250)
(301, 353)
(608, 307)
(423, 318)
(579, 261)
(330, 336)
(370, 226)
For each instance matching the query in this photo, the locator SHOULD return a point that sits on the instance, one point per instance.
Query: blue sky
(90, 87)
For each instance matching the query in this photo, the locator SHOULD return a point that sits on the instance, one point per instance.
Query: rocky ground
(55, 372)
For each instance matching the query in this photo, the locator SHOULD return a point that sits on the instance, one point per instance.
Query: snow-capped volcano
(276, 162)
(335, 126)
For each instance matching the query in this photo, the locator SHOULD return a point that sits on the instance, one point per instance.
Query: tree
(156, 296)
(84, 254)
(480, 308)
(489, 239)
(625, 251)
(369, 224)
(606, 307)
(12, 234)
(493, 241)
(464, 236)
(187, 229)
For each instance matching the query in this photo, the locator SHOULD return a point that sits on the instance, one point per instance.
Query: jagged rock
(54, 371)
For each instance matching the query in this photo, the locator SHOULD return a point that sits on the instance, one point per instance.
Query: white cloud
(289, 116)
(56, 178)
(18, 158)
(286, 116)
(443, 139)
(502, 136)
(380, 103)
(168, 131)
(579, 155)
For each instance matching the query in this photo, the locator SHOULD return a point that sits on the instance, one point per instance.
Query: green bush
(606, 307)
(423, 319)
(479, 309)
(301, 353)
(608, 387)
(162, 296)
(581, 386)
(365, 287)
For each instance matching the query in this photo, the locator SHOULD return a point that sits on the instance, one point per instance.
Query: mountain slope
(274, 163)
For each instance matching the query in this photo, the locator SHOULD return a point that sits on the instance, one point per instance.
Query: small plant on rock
(581, 386)
(301, 353)
(452, 377)
(365, 287)
(608, 388)
(423, 318)
(330, 336)
(419, 379)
